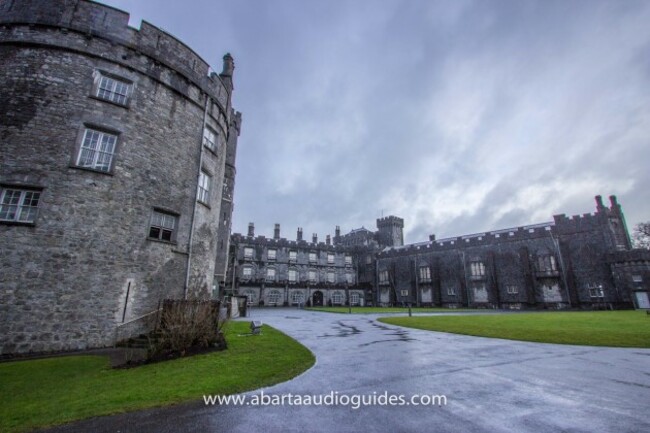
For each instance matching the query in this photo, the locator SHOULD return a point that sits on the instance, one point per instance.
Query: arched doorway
(317, 299)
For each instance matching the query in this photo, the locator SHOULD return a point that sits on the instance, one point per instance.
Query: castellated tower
(390, 231)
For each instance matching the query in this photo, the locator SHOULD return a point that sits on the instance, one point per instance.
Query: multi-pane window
(270, 274)
(477, 269)
(248, 252)
(210, 139)
(250, 295)
(425, 274)
(203, 191)
(293, 275)
(292, 256)
(354, 298)
(348, 260)
(113, 90)
(297, 298)
(404, 293)
(273, 297)
(546, 263)
(271, 254)
(337, 298)
(312, 258)
(19, 205)
(451, 291)
(383, 277)
(312, 276)
(596, 291)
(349, 277)
(512, 290)
(162, 226)
(330, 277)
(247, 272)
(330, 258)
(97, 150)
(637, 279)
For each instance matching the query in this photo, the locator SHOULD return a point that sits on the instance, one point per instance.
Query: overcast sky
(458, 116)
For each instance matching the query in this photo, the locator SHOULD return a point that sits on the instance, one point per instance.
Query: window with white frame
(97, 150)
(425, 273)
(248, 252)
(293, 275)
(512, 290)
(596, 290)
(330, 258)
(354, 298)
(271, 254)
(247, 272)
(337, 298)
(210, 139)
(293, 256)
(19, 205)
(203, 192)
(404, 293)
(250, 296)
(273, 297)
(163, 226)
(348, 260)
(297, 298)
(546, 263)
(270, 274)
(113, 89)
(312, 276)
(330, 276)
(451, 291)
(349, 278)
(477, 269)
(312, 258)
(637, 279)
(383, 277)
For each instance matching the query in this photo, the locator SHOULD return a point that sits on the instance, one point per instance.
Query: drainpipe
(196, 191)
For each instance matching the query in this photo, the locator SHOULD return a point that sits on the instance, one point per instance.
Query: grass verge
(45, 392)
(375, 310)
(598, 328)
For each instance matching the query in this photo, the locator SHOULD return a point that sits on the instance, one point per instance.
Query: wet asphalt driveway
(490, 385)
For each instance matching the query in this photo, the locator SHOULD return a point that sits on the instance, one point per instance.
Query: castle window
(248, 252)
(203, 191)
(404, 293)
(546, 263)
(477, 269)
(330, 277)
(163, 226)
(330, 258)
(250, 295)
(293, 275)
(312, 276)
(596, 291)
(273, 297)
(337, 298)
(354, 298)
(425, 274)
(451, 291)
(348, 260)
(312, 258)
(113, 89)
(247, 272)
(297, 298)
(637, 279)
(293, 256)
(349, 277)
(210, 139)
(270, 274)
(383, 277)
(97, 150)
(512, 290)
(271, 254)
(19, 205)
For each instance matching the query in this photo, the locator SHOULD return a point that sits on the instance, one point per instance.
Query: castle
(584, 261)
(117, 173)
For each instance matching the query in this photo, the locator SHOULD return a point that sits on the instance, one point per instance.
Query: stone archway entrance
(317, 299)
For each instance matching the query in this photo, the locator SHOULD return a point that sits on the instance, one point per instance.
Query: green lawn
(52, 391)
(598, 328)
(375, 310)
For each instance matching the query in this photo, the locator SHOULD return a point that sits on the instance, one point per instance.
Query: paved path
(491, 385)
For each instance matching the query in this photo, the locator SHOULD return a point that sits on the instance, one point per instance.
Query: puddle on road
(344, 330)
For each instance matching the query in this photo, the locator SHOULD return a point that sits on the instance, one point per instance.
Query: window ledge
(93, 170)
(204, 204)
(117, 104)
(161, 241)
(212, 151)
(18, 223)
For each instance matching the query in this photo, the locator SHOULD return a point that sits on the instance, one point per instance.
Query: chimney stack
(314, 238)
(251, 230)
(299, 234)
(432, 238)
(328, 240)
(276, 232)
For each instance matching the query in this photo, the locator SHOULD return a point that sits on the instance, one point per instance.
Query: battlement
(390, 220)
(97, 21)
